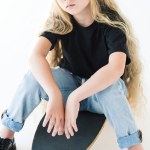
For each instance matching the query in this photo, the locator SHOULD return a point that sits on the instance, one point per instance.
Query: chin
(73, 12)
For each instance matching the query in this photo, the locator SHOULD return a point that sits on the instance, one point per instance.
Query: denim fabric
(111, 102)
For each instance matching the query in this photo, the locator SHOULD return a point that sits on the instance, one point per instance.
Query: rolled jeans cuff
(10, 123)
(130, 140)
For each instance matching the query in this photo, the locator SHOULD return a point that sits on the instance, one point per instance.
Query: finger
(74, 125)
(56, 127)
(46, 119)
(51, 124)
(61, 128)
(67, 133)
(69, 126)
(60, 131)
(66, 130)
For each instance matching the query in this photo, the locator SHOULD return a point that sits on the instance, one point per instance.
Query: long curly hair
(104, 11)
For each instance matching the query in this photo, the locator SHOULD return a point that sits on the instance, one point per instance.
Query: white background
(19, 23)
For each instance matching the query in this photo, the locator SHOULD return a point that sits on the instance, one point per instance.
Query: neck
(84, 18)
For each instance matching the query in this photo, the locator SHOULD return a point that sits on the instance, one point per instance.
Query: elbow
(34, 56)
(121, 69)
(118, 69)
(32, 59)
(121, 72)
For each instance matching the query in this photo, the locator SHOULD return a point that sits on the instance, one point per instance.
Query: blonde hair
(105, 11)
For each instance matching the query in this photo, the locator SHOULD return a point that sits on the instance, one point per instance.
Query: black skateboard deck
(89, 128)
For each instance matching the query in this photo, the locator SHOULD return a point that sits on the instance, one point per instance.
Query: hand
(71, 114)
(55, 115)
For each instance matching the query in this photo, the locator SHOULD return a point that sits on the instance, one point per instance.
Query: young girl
(93, 65)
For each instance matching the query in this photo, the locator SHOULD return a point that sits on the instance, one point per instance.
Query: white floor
(106, 140)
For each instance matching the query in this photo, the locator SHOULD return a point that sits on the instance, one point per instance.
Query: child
(94, 66)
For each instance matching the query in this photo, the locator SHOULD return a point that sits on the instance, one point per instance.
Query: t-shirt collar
(81, 27)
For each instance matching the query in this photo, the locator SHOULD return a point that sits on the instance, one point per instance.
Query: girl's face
(74, 7)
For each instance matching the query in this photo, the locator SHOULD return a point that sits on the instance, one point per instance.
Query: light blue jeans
(111, 102)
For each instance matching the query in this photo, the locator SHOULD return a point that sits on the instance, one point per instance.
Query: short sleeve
(51, 37)
(116, 41)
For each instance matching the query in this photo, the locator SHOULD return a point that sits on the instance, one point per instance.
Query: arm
(102, 78)
(40, 67)
(42, 72)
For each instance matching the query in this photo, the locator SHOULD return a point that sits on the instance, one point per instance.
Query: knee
(111, 93)
(107, 92)
(29, 84)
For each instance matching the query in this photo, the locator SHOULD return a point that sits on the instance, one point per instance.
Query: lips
(69, 5)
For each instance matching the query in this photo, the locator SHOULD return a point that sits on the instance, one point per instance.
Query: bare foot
(136, 147)
(6, 133)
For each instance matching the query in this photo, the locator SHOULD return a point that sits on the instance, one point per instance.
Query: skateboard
(89, 128)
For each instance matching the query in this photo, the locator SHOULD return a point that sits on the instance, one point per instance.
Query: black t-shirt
(87, 49)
